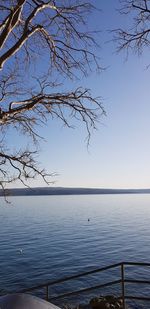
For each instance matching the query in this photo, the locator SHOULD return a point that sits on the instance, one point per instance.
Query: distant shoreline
(68, 191)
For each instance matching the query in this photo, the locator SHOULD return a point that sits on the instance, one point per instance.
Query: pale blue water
(57, 239)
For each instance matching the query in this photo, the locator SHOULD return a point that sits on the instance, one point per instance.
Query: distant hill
(68, 191)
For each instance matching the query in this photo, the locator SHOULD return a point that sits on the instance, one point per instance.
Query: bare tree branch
(11, 21)
(137, 37)
(50, 38)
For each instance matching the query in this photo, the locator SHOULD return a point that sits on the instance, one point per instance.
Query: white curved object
(24, 301)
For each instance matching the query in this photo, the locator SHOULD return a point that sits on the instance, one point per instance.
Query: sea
(44, 238)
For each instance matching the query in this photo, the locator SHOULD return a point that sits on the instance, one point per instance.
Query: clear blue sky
(119, 151)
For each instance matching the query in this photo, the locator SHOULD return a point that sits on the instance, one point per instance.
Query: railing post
(123, 286)
(47, 292)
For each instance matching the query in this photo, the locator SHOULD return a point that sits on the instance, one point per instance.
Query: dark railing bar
(136, 281)
(47, 292)
(69, 278)
(137, 297)
(94, 271)
(122, 285)
(86, 290)
(136, 264)
(82, 274)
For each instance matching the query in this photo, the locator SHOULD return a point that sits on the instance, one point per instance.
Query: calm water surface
(56, 238)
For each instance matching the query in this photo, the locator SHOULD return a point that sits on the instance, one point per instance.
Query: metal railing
(122, 281)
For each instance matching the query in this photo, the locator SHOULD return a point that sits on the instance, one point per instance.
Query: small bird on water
(20, 251)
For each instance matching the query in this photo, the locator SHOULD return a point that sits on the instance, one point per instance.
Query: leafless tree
(49, 40)
(136, 36)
